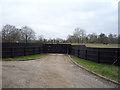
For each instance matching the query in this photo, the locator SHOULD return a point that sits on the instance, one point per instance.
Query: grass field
(108, 71)
(23, 57)
(99, 45)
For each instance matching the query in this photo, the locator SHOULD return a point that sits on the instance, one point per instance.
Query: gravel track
(51, 71)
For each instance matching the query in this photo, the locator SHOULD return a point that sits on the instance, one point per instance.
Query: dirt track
(51, 71)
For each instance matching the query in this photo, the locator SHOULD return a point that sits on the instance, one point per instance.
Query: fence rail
(99, 55)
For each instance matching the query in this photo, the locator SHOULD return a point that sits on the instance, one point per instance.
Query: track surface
(51, 71)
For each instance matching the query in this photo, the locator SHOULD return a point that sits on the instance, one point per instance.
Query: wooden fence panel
(99, 55)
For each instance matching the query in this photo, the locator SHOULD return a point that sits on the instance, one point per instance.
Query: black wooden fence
(56, 48)
(99, 55)
(10, 50)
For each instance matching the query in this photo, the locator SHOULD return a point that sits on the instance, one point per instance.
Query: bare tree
(41, 39)
(110, 38)
(92, 38)
(59, 40)
(79, 34)
(27, 34)
(10, 33)
(103, 38)
(71, 39)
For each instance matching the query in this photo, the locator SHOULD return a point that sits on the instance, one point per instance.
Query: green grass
(102, 45)
(23, 57)
(98, 45)
(94, 45)
(109, 71)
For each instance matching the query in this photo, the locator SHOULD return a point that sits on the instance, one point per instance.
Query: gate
(56, 48)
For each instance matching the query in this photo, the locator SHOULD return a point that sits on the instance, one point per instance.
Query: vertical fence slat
(86, 54)
(33, 50)
(24, 51)
(78, 53)
(11, 51)
(98, 52)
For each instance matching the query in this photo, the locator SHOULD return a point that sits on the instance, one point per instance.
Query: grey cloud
(59, 19)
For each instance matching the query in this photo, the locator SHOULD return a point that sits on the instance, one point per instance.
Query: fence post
(39, 50)
(33, 50)
(98, 55)
(86, 54)
(24, 51)
(11, 52)
(78, 52)
(67, 49)
(118, 56)
(70, 49)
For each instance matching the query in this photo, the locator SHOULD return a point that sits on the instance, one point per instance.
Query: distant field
(99, 45)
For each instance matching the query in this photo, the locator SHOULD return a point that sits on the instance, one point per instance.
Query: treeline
(79, 36)
(10, 33)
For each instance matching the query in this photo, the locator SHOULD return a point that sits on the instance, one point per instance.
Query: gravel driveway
(51, 71)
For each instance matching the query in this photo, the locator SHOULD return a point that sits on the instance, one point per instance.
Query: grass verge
(108, 71)
(23, 57)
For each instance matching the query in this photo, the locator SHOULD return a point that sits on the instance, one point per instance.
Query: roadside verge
(103, 77)
(25, 58)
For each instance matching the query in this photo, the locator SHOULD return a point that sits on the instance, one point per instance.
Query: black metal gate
(56, 48)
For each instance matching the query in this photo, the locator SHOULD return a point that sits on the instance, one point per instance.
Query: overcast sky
(58, 18)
